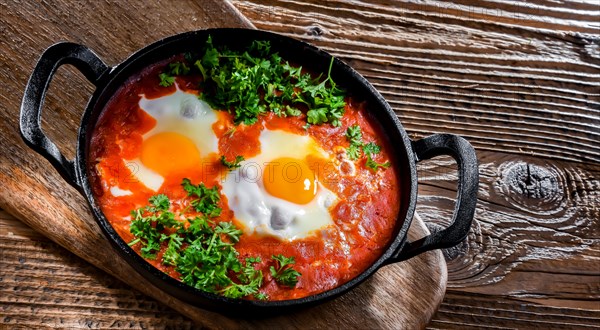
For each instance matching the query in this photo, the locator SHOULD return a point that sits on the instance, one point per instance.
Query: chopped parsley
(284, 274)
(261, 296)
(166, 80)
(159, 202)
(148, 222)
(201, 251)
(253, 81)
(371, 148)
(179, 68)
(206, 199)
(234, 164)
(354, 136)
(353, 152)
(373, 165)
(172, 252)
(207, 261)
(227, 228)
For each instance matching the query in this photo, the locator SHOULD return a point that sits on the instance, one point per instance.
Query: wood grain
(462, 310)
(519, 79)
(44, 284)
(39, 278)
(400, 295)
(536, 225)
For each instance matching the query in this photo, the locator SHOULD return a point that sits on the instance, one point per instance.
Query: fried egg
(182, 136)
(276, 192)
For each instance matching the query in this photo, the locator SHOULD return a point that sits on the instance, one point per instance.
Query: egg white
(265, 214)
(182, 113)
(146, 176)
(118, 192)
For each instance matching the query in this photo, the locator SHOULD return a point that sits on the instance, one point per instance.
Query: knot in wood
(315, 30)
(534, 188)
(532, 181)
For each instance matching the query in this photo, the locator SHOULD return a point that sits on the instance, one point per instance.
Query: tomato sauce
(364, 216)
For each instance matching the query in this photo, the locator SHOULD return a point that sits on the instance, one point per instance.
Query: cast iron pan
(108, 79)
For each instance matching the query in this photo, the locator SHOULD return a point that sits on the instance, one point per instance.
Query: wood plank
(44, 284)
(33, 188)
(470, 311)
(35, 193)
(536, 225)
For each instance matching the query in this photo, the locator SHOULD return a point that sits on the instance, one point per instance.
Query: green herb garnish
(203, 253)
(261, 296)
(250, 82)
(172, 252)
(206, 198)
(159, 203)
(373, 165)
(166, 80)
(234, 164)
(179, 68)
(371, 148)
(206, 263)
(354, 136)
(148, 222)
(230, 230)
(285, 274)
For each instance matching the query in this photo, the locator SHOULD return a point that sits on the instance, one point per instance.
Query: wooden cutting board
(398, 296)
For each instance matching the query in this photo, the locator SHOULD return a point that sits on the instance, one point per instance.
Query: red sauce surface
(364, 217)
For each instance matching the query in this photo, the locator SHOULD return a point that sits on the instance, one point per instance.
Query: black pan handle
(468, 181)
(31, 107)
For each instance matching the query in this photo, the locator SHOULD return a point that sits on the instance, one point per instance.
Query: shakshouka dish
(244, 175)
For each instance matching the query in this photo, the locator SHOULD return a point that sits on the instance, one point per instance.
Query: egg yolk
(290, 179)
(169, 153)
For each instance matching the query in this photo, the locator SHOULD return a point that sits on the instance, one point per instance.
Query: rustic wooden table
(521, 81)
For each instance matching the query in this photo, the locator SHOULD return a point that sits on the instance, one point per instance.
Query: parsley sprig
(372, 149)
(167, 78)
(284, 273)
(354, 136)
(207, 261)
(206, 199)
(148, 222)
(233, 164)
(251, 82)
